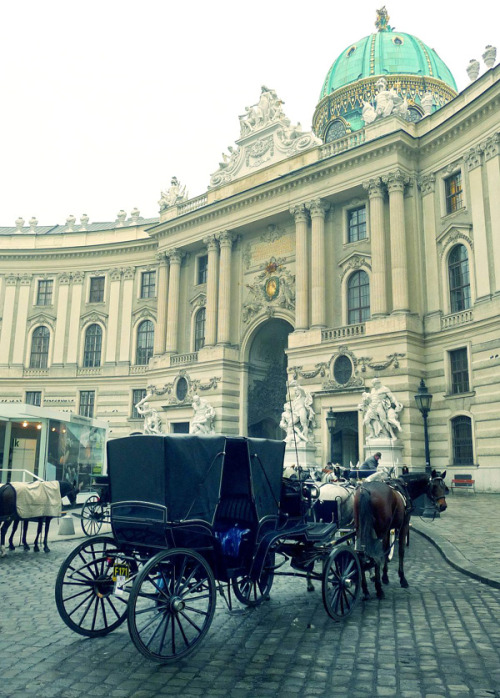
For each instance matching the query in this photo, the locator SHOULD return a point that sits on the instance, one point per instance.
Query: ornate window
(461, 434)
(181, 389)
(87, 401)
(335, 130)
(45, 288)
(459, 278)
(453, 192)
(93, 346)
(96, 293)
(358, 298)
(40, 347)
(342, 369)
(148, 284)
(459, 370)
(414, 114)
(201, 275)
(137, 395)
(356, 224)
(145, 341)
(199, 328)
(34, 397)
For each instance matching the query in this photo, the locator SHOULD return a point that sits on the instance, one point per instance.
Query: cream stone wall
(292, 215)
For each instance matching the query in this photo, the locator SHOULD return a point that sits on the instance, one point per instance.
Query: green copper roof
(386, 52)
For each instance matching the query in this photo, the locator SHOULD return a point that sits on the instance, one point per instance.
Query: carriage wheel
(171, 605)
(341, 582)
(93, 513)
(253, 593)
(85, 589)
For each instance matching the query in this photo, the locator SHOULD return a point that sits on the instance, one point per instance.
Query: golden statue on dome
(382, 21)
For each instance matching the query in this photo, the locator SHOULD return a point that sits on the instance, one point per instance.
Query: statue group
(152, 420)
(203, 418)
(380, 411)
(298, 418)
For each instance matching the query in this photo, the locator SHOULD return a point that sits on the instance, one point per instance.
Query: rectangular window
(453, 193)
(356, 223)
(459, 369)
(45, 288)
(34, 397)
(87, 400)
(202, 269)
(96, 294)
(137, 396)
(148, 284)
(180, 427)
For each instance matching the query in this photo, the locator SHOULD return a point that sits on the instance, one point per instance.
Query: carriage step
(319, 531)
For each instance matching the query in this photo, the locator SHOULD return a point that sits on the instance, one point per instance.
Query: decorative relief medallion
(344, 373)
(183, 388)
(273, 287)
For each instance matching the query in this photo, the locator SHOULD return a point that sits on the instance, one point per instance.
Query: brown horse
(380, 507)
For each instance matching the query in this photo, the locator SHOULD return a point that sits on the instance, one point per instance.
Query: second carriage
(192, 516)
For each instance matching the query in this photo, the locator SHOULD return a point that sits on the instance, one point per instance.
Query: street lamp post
(423, 398)
(330, 423)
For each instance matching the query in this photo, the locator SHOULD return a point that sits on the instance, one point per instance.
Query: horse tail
(368, 541)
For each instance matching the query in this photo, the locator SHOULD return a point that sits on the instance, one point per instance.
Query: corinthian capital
(374, 187)
(491, 146)
(160, 257)
(299, 212)
(175, 255)
(427, 184)
(396, 180)
(473, 158)
(226, 238)
(211, 242)
(317, 207)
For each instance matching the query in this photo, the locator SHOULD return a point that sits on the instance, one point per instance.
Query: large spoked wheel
(171, 605)
(253, 593)
(85, 588)
(341, 582)
(93, 513)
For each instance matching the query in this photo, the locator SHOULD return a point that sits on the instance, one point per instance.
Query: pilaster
(396, 182)
(317, 210)
(162, 292)
(126, 316)
(175, 256)
(61, 318)
(378, 286)
(115, 280)
(473, 163)
(299, 212)
(431, 282)
(491, 150)
(226, 239)
(212, 289)
(74, 317)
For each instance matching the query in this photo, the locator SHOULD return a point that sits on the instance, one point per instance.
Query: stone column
(226, 239)
(378, 285)
(61, 319)
(21, 315)
(318, 209)
(431, 281)
(9, 306)
(212, 288)
(115, 278)
(175, 256)
(162, 292)
(473, 162)
(300, 214)
(74, 317)
(125, 354)
(491, 149)
(399, 262)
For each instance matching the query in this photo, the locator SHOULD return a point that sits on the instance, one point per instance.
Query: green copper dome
(385, 53)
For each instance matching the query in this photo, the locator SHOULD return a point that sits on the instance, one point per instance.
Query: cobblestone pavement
(440, 637)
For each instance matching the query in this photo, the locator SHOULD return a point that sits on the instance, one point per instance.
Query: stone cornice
(81, 251)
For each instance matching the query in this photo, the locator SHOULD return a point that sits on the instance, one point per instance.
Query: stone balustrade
(342, 144)
(455, 319)
(178, 359)
(343, 332)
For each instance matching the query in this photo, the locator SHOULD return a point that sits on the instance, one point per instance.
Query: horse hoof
(404, 583)
(12, 546)
(310, 587)
(380, 595)
(366, 596)
(3, 552)
(46, 549)
(385, 580)
(26, 548)
(36, 549)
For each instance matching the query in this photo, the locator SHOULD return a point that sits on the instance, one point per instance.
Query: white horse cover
(35, 499)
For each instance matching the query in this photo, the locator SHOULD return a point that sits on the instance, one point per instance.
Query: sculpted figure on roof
(267, 109)
(174, 194)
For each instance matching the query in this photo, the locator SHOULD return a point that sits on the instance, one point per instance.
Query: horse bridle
(433, 480)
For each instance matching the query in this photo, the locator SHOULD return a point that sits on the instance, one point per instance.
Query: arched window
(458, 274)
(145, 341)
(199, 329)
(335, 130)
(40, 347)
(461, 434)
(93, 346)
(358, 298)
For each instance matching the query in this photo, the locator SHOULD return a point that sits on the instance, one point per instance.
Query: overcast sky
(103, 101)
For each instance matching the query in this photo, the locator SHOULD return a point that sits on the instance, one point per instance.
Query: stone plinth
(391, 450)
(305, 455)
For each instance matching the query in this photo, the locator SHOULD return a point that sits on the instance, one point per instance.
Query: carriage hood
(187, 473)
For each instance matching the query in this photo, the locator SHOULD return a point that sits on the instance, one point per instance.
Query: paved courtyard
(440, 637)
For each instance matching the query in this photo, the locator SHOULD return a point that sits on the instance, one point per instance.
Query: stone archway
(267, 375)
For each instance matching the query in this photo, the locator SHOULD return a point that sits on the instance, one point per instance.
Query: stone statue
(152, 421)
(174, 195)
(368, 113)
(380, 411)
(297, 418)
(267, 109)
(426, 102)
(204, 417)
(388, 101)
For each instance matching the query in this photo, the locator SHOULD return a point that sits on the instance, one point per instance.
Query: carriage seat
(235, 524)
(237, 509)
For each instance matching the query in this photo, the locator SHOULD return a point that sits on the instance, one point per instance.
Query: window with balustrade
(39, 356)
(459, 279)
(92, 347)
(145, 343)
(358, 297)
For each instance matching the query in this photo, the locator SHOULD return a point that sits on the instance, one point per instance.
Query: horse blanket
(34, 499)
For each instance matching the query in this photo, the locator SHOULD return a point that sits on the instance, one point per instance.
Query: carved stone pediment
(198, 301)
(143, 314)
(267, 136)
(93, 316)
(452, 234)
(41, 319)
(354, 261)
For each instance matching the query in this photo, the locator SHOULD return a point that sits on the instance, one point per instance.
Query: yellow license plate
(121, 571)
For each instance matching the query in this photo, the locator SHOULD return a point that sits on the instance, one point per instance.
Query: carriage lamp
(331, 421)
(423, 398)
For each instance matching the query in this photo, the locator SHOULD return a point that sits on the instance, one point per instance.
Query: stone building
(368, 247)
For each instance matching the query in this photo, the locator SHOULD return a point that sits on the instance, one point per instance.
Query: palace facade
(369, 247)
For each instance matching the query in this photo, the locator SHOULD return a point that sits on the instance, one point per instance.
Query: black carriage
(95, 510)
(192, 516)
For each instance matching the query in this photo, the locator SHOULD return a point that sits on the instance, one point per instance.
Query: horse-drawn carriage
(192, 516)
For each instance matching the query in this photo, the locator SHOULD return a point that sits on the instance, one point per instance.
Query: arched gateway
(267, 364)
